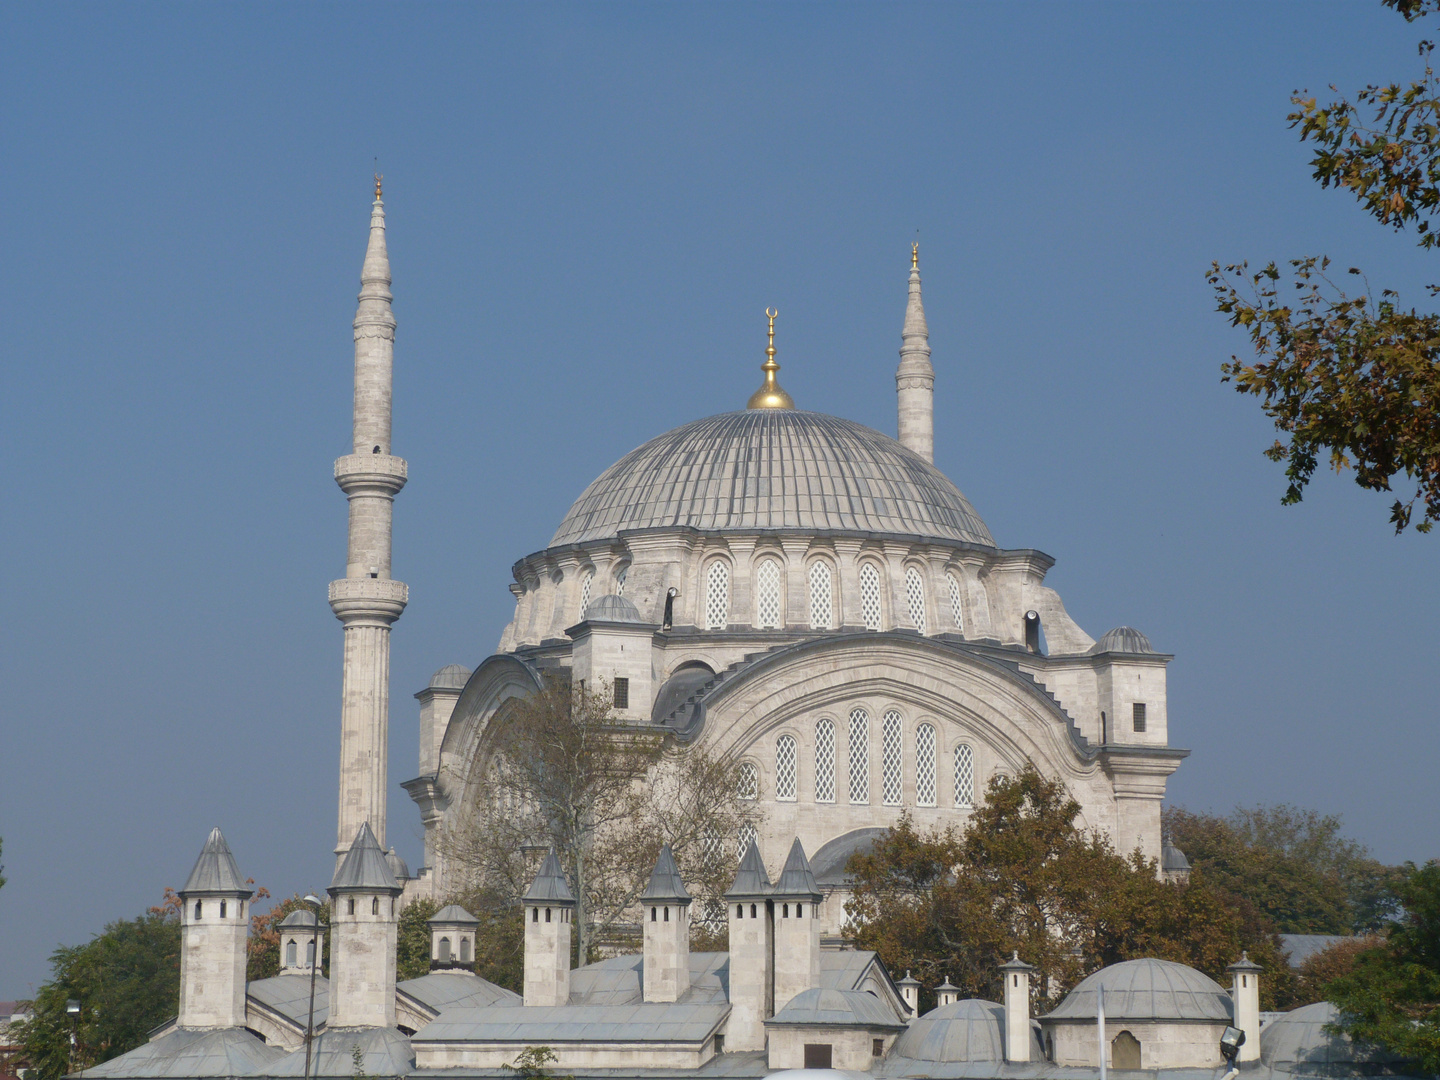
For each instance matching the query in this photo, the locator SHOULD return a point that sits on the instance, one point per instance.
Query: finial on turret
(378, 178)
(770, 396)
(915, 256)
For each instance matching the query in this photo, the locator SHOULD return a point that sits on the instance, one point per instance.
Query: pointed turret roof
(453, 915)
(796, 879)
(364, 867)
(215, 871)
(915, 334)
(751, 879)
(549, 886)
(665, 883)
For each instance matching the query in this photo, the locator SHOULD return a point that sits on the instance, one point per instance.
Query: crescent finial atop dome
(770, 395)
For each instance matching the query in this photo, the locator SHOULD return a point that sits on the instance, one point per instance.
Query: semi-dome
(774, 469)
(1157, 990)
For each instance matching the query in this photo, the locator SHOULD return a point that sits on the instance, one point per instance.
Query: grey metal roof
(441, 990)
(665, 883)
(1172, 858)
(829, 862)
(300, 917)
(453, 914)
(969, 1030)
(1147, 990)
(774, 469)
(289, 995)
(1123, 639)
(364, 867)
(1298, 1042)
(796, 878)
(822, 1006)
(549, 886)
(397, 865)
(215, 871)
(617, 981)
(1300, 947)
(450, 677)
(385, 1053)
(192, 1052)
(612, 608)
(751, 878)
(547, 1025)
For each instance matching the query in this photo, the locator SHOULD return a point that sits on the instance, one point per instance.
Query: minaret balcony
(377, 473)
(359, 598)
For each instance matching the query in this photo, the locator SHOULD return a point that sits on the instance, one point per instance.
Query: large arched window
(825, 761)
(964, 776)
(870, 595)
(822, 603)
(767, 595)
(915, 597)
(620, 576)
(585, 583)
(747, 782)
(925, 765)
(785, 778)
(859, 756)
(892, 776)
(956, 611)
(717, 595)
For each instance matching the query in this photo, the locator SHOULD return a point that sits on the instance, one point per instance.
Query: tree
(262, 959)
(562, 772)
(500, 937)
(1312, 981)
(1353, 378)
(412, 949)
(1391, 996)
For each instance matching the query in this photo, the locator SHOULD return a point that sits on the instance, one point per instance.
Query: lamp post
(314, 902)
(72, 1010)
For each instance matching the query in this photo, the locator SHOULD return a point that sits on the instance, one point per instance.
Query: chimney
(214, 924)
(1016, 998)
(794, 906)
(665, 908)
(1245, 993)
(752, 955)
(549, 909)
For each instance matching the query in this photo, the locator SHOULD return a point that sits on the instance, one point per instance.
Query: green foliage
(1292, 865)
(127, 980)
(499, 939)
(531, 1062)
(412, 951)
(1391, 997)
(262, 960)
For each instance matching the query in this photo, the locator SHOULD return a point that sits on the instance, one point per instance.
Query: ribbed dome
(1148, 990)
(774, 469)
(969, 1030)
(1123, 639)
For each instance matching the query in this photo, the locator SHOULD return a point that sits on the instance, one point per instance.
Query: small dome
(1148, 990)
(449, 677)
(969, 1030)
(1172, 858)
(397, 866)
(1123, 639)
(612, 608)
(1299, 1038)
(300, 917)
(835, 1008)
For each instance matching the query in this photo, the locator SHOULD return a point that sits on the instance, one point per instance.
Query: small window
(222, 909)
(785, 778)
(197, 909)
(870, 596)
(444, 950)
(585, 585)
(465, 950)
(375, 905)
(821, 600)
(915, 597)
(747, 782)
(653, 913)
(534, 914)
(1138, 710)
(622, 693)
(964, 776)
(290, 952)
(717, 596)
(784, 911)
(817, 1055)
(799, 911)
(667, 915)
(350, 906)
(767, 595)
(547, 914)
(877, 1047)
(739, 911)
(310, 953)
(620, 576)
(956, 606)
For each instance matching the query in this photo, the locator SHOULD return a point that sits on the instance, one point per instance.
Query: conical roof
(665, 883)
(453, 915)
(796, 879)
(364, 867)
(215, 871)
(751, 879)
(549, 886)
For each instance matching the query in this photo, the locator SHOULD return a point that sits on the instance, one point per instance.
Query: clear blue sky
(589, 208)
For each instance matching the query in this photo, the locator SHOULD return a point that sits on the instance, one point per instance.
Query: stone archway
(1125, 1051)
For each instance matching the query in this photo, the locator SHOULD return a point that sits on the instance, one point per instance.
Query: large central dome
(774, 469)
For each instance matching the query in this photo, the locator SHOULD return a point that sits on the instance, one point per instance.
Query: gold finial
(770, 396)
(915, 256)
(378, 178)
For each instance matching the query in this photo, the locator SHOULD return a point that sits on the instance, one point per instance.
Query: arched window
(785, 768)
(859, 756)
(822, 603)
(375, 905)
(767, 595)
(222, 909)
(620, 576)
(747, 782)
(892, 776)
(290, 953)
(465, 950)
(444, 950)
(585, 583)
(925, 765)
(956, 608)
(350, 905)
(825, 761)
(197, 909)
(915, 597)
(745, 839)
(310, 953)
(964, 776)
(870, 595)
(717, 595)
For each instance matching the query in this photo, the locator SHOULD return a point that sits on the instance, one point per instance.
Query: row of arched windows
(959, 792)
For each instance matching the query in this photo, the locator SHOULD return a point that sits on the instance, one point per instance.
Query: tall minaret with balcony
(367, 599)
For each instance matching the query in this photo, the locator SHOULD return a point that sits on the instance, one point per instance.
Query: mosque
(818, 602)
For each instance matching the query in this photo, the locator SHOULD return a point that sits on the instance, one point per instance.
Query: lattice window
(585, 593)
(747, 781)
(747, 836)
(925, 765)
(915, 597)
(821, 595)
(620, 576)
(956, 611)
(717, 596)
(870, 596)
(767, 587)
(892, 776)
(785, 774)
(964, 776)
(825, 761)
(859, 756)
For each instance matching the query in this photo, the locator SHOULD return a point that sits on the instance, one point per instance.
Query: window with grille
(956, 611)
(964, 776)
(915, 597)
(745, 839)
(825, 761)
(622, 693)
(747, 782)
(1138, 712)
(785, 768)
(821, 599)
(767, 588)
(620, 576)
(870, 596)
(925, 765)
(892, 777)
(717, 596)
(585, 593)
(859, 756)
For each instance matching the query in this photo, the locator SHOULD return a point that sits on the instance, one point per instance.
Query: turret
(612, 648)
(910, 991)
(214, 924)
(549, 909)
(301, 942)
(665, 908)
(915, 378)
(752, 953)
(1016, 997)
(364, 897)
(795, 903)
(946, 994)
(1245, 993)
(452, 939)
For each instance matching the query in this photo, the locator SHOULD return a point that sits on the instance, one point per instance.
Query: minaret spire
(367, 600)
(915, 378)
(770, 395)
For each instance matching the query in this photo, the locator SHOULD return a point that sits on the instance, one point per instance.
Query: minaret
(915, 378)
(367, 600)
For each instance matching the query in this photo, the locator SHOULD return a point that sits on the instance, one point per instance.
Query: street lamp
(313, 901)
(72, 1010)
(1230, 1042)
